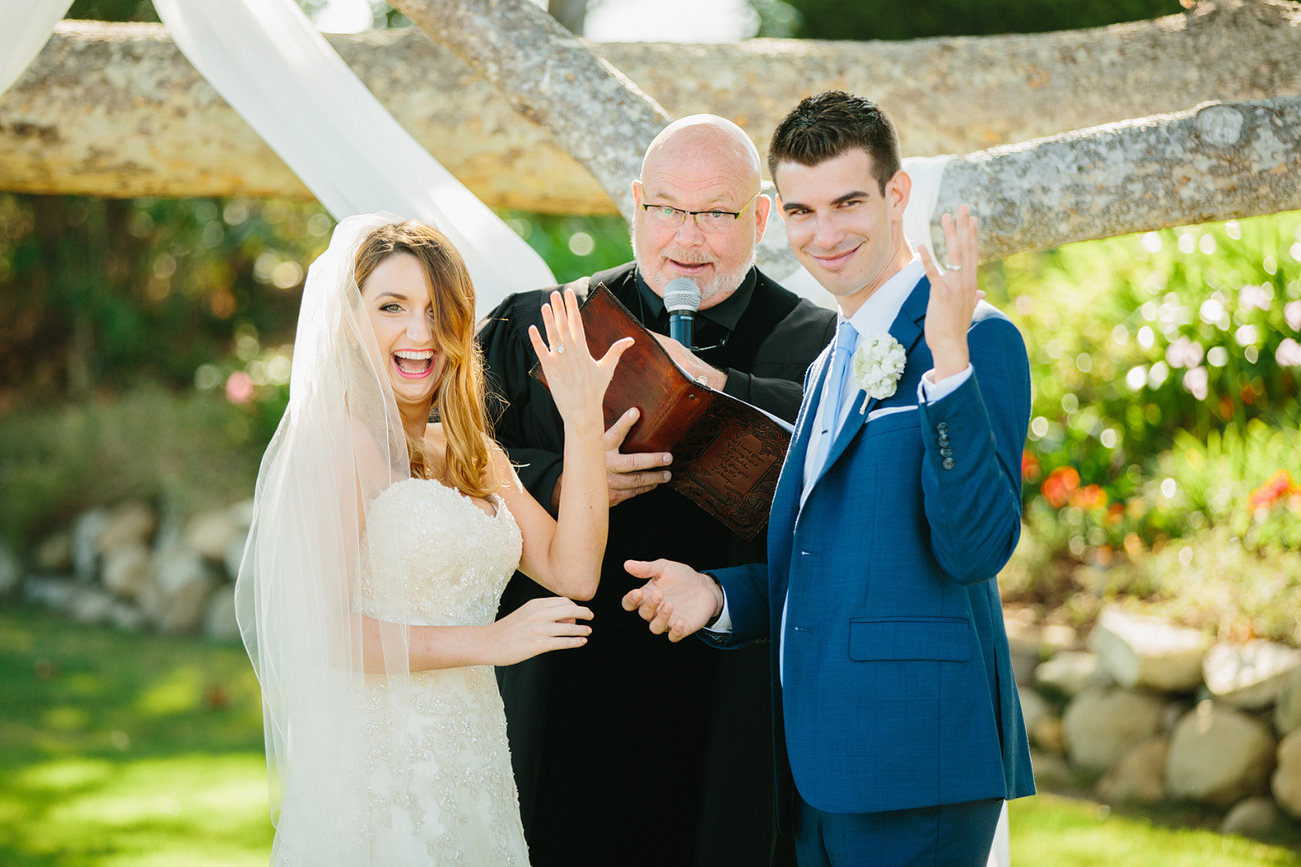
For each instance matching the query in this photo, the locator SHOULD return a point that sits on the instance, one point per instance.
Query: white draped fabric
(275, 69)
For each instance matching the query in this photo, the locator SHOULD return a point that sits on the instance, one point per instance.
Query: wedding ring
(953, 267)
(558, 349)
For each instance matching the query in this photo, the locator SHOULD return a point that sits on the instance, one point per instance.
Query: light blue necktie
(833, 391)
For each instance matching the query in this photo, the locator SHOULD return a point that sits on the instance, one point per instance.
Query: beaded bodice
(431, 556)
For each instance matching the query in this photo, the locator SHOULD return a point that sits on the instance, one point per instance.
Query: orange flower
(1029, 467)
(1058, 486)
(1276, 487)
(1088, 498)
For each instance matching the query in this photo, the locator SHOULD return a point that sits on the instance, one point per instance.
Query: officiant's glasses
(712, 220)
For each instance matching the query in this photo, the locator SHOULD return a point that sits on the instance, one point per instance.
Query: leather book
(727, 454)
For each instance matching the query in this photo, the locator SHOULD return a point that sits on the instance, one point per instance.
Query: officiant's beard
(717, 288)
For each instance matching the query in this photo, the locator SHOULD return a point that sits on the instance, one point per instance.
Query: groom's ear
(897, 191)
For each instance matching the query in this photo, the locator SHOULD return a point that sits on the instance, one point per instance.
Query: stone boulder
(126, 616)
(90, 605)
(126, 569)
(235, 552)
(1148, 652)
(1071, 672)
(11, 572)
(1287, 707)
(49, 591)
(131, 523)
(1139, 776)
(86, 531)
(210, 533)
(1033, 707)
(1051, 772)
(1103, 723)
(219, 621)
(1250, 675)
(54, 554)
(174, 599)
(1219, 755)
(1049, 735)
(1257, 816)
(1286, 782)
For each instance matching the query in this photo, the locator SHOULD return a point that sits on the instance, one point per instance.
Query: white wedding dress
(438, 777)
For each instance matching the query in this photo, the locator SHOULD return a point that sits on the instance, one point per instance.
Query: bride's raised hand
(577, 381)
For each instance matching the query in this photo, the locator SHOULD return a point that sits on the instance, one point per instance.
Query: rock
(1286, 783)
(1103, 723)
(90, 605)
(126, 568)
(1218, 755)
(1051, 771)
(54, 554)
(50, 591)
(11, 572)
(174, 599)
(131, 523)
(1148, 651)
(1249, 675)
(235, 552)
(126, 616)
(241, 514)
(210, 533)
(219, 614)
(1257, 816)
(85, 543)
(1049, 735)
(1173, 712)
(1139, 776)
(1071, 672)
(1059, 638)
(1287, 707)
(1033, 707)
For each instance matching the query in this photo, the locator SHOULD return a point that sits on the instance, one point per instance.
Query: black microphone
(682, 299)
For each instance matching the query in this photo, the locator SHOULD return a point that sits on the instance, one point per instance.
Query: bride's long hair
(459, 395)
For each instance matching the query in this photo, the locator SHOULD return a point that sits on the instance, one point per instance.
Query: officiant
(575, 720)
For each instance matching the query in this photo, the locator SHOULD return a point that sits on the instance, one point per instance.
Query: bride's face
(396, 296)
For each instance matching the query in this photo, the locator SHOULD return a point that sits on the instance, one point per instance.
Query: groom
(897, 728)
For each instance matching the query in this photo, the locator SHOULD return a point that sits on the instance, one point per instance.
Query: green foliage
(872, 19)
(187, 451)
(112, 10)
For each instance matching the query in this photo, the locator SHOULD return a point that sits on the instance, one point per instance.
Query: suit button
(944, 439)
(942, 428)
(948, 463)
(947, 453)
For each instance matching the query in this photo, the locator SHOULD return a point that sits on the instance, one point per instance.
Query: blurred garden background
(145, 352)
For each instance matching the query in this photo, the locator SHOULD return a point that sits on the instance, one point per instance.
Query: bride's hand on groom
(537, 626)
(676, 599)
(576, 379)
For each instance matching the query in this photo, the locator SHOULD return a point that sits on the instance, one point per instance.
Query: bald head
(697, 164)
(704, 137)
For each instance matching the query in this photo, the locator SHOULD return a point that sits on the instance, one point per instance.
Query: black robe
(633, 750)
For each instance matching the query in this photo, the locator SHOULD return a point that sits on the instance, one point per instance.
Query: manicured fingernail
(668, 458)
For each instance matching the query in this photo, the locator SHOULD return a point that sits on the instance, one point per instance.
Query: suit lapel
(907, 328)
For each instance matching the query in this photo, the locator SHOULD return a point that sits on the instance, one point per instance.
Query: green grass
(127, 750)
(144, 750)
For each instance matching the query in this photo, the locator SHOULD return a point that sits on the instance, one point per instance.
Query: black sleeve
(525, 421)
(776, 383)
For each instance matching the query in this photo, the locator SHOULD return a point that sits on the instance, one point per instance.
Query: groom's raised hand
(676, 599)
(954, 295)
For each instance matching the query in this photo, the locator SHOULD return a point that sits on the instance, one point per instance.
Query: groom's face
(840, 224)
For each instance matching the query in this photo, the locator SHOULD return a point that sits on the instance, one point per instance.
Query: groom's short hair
(831, 123)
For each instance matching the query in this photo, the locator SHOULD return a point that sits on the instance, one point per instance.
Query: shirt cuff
(933, 392)
(723, 625)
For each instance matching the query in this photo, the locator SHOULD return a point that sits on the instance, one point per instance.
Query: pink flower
(239, 387)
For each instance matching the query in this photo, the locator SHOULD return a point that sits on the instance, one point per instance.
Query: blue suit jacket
(898, 689)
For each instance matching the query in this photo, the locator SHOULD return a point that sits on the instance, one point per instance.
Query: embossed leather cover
(727, 454)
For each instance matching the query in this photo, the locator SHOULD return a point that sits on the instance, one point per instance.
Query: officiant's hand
(695, 368)
(954, 295)
(626, 475)
(677, 599)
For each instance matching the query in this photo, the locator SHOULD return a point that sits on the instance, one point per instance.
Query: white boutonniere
(878, 364)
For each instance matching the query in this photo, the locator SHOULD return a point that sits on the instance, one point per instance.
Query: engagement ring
(558, 349)
(953, 267)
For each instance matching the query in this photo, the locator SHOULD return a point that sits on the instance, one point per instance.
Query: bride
(379, 546)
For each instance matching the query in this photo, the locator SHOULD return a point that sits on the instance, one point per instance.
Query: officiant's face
(840, 224)
(397, 299)
(698, 168)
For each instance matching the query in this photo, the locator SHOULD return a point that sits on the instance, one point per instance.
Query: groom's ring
(558, 349)
(953, 267)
